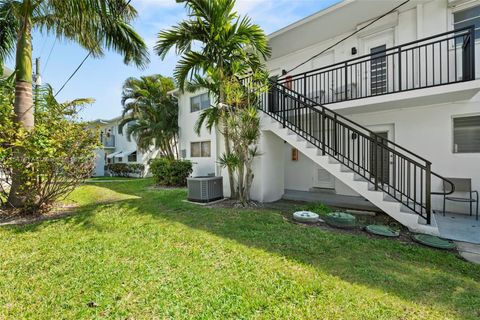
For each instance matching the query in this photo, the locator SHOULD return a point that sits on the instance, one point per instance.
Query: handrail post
(304, 87)
(375, 161)
(335, 147)
(346, 81)
(284, 114)
(428, 191)
(472, 52)
(323, 131)
(399, 69)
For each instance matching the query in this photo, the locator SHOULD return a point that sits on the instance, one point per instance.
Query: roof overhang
(331, 22)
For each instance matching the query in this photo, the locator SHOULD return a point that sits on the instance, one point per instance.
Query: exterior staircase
(355, 155)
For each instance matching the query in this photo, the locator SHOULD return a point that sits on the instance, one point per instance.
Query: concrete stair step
(363, 186)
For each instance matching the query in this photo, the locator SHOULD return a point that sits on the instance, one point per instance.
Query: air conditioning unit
(205, 189)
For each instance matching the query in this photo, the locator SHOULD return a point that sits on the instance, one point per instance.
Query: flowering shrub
(49, 161)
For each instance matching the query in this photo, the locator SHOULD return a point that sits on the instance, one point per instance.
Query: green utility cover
(434, 242)
(341, 219)
(381, 230)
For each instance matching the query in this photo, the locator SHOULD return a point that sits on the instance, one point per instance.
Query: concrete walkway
(469, 251)
(458, 227)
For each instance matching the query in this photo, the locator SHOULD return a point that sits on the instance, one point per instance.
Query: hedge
(169, 172)
(125, 169)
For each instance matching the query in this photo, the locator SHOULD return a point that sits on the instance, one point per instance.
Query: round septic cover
(305, 216)
(341, 219)
(381, 230)
(434, 242)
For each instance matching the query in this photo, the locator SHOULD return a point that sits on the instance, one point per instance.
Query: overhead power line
(48, 57)
(345, 38)
(84, 59)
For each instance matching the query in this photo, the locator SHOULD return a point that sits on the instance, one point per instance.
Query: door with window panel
(378, 70)
(462, 18)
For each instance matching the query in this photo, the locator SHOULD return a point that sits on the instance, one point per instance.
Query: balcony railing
(108, 141)
(438, 60)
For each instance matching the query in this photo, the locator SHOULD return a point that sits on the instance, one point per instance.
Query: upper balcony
(440, 60)
(108, 141)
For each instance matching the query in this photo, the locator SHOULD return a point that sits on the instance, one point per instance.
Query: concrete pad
(458, 227)
(470, 257)
(468, 247)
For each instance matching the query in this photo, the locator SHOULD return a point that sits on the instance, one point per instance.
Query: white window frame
(453, 131)
(200, 142)
(136, 157)
(199, 96)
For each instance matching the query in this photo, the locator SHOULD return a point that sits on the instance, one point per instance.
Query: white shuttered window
(466, 134)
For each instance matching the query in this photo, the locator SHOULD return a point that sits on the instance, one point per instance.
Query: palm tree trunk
(23, 107)
(233, 193)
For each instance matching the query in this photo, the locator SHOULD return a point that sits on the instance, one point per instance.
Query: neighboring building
(7, 72)
(118, 147)
(404, 93)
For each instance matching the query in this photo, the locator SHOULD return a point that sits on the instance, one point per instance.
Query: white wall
(423, 129)
(186, 121)
(428, 131)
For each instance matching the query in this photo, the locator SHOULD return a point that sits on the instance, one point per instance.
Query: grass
(136, 252)
(109, 178)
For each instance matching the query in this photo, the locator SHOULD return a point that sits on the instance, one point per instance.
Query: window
(200, 149)
(119, 159)
(132, 157)
(119, 129)
(468, 17)
(466, 134)
(199, 102)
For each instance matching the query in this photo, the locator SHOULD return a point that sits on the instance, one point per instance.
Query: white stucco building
(118, 147)
(395, 101)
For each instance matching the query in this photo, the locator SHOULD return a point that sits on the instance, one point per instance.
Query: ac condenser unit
(205, 189)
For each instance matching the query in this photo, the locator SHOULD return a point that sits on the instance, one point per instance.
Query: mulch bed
(9, 216)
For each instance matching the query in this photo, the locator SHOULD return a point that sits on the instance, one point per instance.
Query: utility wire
(48, 57)
(343, 39)
(85, 59)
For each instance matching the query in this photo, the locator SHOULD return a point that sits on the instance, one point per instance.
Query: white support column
(269, 181)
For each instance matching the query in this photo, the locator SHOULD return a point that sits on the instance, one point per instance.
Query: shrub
(48, 162)
(125, 169)
(169, 172)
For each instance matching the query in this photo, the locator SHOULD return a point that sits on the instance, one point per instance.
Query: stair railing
(389, 167)
(441, 59)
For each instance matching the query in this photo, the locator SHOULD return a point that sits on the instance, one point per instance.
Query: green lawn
(139, 253)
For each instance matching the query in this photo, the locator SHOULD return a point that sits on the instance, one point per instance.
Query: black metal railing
(400, 173)
(438, 60)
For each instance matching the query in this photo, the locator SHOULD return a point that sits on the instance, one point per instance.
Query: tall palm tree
(214, 39)
(152, 113)
(96, 25)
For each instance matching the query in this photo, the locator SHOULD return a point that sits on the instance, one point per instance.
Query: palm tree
(151, 113)
(96, 25)
(216, 40)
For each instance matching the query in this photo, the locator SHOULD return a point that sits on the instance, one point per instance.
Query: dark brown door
(380, 158)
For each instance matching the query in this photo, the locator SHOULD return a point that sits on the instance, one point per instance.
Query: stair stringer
(412, 221)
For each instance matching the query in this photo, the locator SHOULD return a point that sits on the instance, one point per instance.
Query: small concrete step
(333, 160)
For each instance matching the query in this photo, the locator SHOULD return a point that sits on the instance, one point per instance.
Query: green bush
(42, 165)
(169, 172)
(125, 169)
